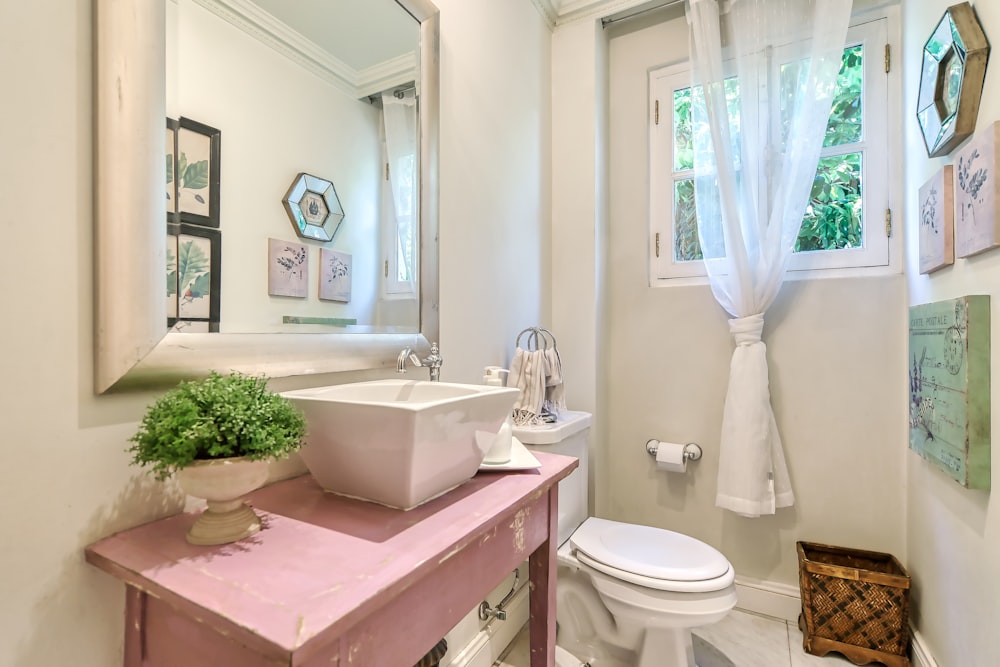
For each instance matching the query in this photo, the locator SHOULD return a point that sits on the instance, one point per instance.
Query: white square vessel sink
(399, 442)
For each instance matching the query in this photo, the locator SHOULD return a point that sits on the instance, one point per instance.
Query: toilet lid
(649, 552)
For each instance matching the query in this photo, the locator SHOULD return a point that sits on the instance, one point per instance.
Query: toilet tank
(569, 436)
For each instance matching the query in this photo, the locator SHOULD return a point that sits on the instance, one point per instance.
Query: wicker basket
(854, 602)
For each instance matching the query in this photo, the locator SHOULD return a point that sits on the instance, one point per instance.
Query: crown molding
(571, 11)
(548, 11)
(262, 26)
(386, 75)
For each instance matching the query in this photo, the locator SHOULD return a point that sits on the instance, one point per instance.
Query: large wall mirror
(292, 89)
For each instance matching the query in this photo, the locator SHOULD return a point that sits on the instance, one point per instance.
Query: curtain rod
(631, 14)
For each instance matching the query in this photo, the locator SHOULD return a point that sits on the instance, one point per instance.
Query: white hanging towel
(555, 391)
(527, 373)
(753, 477)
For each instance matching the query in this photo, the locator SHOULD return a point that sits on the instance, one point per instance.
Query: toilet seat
(651, 557)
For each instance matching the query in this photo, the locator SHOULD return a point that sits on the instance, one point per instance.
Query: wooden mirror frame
(942, 129)
(132, 345)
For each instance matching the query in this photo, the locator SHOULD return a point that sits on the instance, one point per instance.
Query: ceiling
(360, 33)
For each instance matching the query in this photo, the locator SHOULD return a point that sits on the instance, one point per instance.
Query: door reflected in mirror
(329, 89)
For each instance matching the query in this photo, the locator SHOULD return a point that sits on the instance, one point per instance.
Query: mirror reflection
(317, 88)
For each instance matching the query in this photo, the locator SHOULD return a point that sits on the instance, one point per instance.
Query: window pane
(683, 154)
(833, 216)
(845, 115)
(686, 246)
(684, 123)
(844, 126)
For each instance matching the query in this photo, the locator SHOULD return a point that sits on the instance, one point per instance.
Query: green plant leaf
(170, 168)
(171, 283)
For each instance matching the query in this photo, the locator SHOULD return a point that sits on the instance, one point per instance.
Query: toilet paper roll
(670, 457)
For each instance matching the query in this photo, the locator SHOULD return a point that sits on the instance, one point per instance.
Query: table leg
(135, 613)
(542, 566)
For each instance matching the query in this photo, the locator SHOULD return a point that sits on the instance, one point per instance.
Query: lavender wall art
(937, 211)
(976, 224)
(287, 268)
(335, 275)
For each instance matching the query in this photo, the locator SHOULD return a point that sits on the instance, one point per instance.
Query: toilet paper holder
(692, 451)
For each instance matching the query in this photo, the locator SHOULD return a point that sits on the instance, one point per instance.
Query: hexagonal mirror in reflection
(313, 207)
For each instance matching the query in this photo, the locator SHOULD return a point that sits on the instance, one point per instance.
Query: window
(399, 236)
(399, 230)
(844, 225)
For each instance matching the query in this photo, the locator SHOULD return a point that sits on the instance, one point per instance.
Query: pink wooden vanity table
(334, 581)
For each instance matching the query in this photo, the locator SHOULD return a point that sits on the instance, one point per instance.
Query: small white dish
(520, 459)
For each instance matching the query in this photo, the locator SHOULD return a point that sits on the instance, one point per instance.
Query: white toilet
(627, 595)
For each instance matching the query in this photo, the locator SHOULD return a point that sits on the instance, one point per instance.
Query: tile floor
(741, 639)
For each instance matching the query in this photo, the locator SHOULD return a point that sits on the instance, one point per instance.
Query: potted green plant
(218, 434)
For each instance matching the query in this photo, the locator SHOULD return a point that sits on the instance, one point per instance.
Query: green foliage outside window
(833, 217)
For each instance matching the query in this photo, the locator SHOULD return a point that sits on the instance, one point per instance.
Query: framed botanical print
(193, 277)
(287, 268)
(197, 173)
(977, 227)
(937, 215)
(335, 275)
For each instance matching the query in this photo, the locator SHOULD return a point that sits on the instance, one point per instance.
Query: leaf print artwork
(288, 268)
(194, 276)
(937, 200)
(171, 271)
(292, 260)
(335, 279)
(196, 171)
(976, 225)
(971, 183)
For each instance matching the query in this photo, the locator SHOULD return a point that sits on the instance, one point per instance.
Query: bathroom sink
(399, 442)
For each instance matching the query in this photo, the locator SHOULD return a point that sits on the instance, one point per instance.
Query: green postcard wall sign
(950, 387)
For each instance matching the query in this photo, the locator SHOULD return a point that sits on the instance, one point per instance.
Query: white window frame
(392, 287)
(875, 254)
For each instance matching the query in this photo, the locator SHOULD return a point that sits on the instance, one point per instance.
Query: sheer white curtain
(399, 113)
(759, 128)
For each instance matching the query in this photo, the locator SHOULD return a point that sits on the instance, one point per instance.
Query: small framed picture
(937, 214)
(977, 227)
(196, 274)
(335, 275)
(196, 173)
(287, 268)
(171, 153)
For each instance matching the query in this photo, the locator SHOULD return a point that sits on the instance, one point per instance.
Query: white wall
(64, 475)
(495, 166)
(837, 372)
(953, 535)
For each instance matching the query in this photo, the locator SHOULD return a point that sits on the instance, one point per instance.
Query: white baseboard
(920, 655)
(483, 649)
(768, 598)
(783, 602)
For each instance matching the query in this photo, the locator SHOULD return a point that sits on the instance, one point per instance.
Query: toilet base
(667, 646)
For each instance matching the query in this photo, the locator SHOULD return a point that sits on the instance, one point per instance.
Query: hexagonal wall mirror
(313, 207)
(951, 79)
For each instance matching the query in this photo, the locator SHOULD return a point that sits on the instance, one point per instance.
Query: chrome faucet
(432, 362)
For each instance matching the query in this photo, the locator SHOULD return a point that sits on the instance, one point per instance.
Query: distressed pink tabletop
(321, 562)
